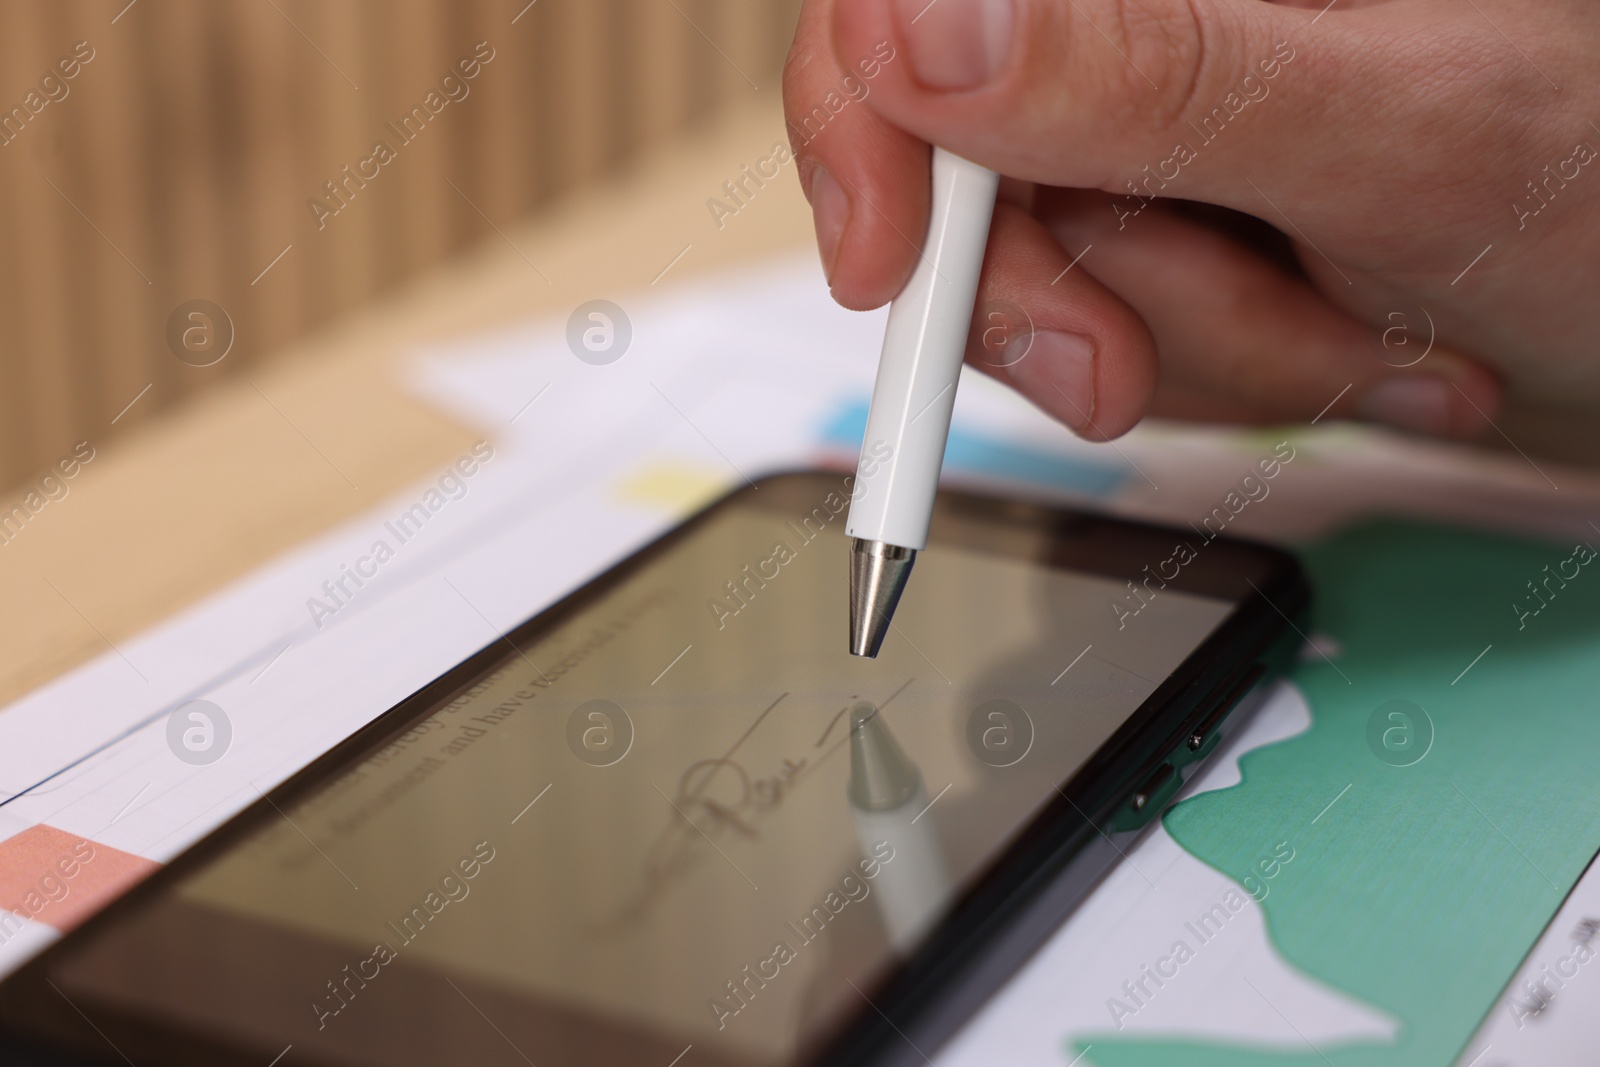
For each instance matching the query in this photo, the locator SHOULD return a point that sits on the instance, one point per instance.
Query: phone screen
(683, 820)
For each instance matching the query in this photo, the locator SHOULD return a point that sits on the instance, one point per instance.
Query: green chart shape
(1424, 887)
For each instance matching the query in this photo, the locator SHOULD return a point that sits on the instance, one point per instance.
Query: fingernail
(955, 44)
(1413, 403)
(1058, 373)
(830, 212)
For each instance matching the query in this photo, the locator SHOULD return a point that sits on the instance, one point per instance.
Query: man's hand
(1427, 171)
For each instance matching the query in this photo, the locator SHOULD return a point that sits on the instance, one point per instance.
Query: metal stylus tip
(878, 573)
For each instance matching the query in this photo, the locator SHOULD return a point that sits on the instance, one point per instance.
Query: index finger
(867, 181)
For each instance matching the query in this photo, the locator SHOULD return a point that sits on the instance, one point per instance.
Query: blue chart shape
(976, 453)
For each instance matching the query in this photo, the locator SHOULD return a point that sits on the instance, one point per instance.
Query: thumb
(1151, 97)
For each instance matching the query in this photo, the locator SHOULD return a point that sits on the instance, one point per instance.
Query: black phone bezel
(995, 924)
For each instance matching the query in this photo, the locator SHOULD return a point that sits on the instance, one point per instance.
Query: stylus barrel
(923, 344)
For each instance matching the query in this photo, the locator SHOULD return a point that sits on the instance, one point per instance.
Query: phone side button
(1206, 733)
(1148, 799)
(1162, 784)
(1202, 744)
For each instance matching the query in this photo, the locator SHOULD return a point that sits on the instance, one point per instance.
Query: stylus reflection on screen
(889, 802)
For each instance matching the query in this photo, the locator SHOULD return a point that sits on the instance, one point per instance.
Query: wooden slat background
(181, 160)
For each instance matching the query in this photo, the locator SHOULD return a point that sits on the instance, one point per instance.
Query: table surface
(179, 508)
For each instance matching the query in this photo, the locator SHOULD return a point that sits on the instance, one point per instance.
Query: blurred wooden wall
(178, 163)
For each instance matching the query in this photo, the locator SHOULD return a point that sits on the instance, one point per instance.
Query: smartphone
(671, 820)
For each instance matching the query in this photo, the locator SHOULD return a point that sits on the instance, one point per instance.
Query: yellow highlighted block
(675, 487)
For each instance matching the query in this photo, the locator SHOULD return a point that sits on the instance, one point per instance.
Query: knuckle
(809, 53)
(796, 74)
(1165, 44)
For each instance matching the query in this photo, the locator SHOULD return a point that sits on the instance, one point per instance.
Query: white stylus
(909, 421)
